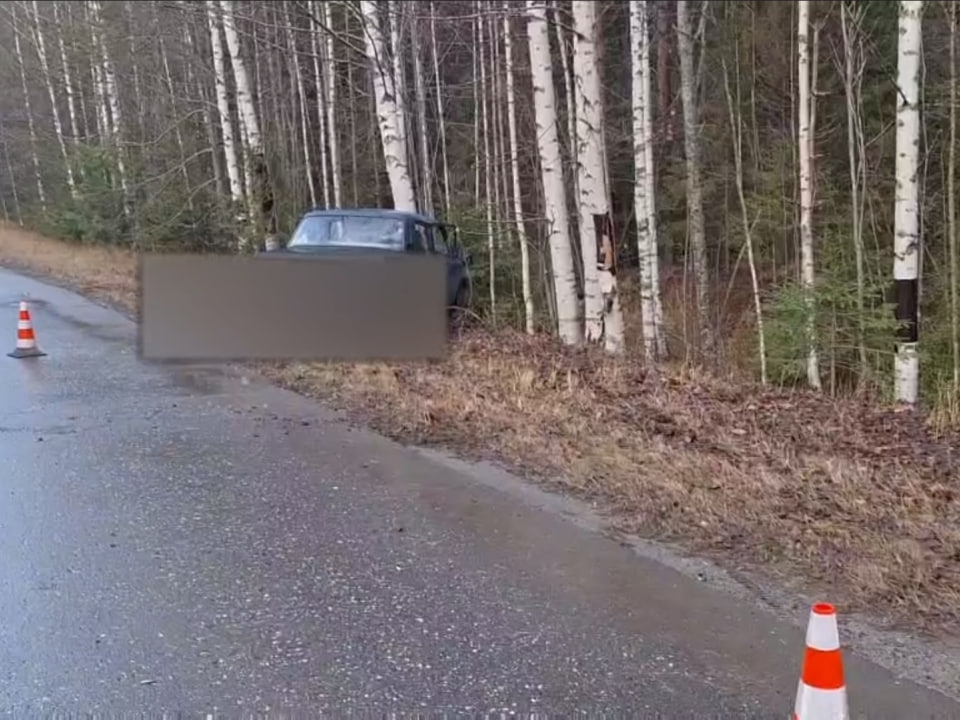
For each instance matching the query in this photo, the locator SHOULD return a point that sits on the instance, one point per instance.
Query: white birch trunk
(171, 90)
(83, 120)
(352, 122)
(487, 161)
(907, 207)
(551, 163)
(96, 72)
(67, 80)
(396, 13)
(691, 143)
(568, 94)
(952, 252)
(112, 97)
(318, 61)
(255, 161)
(302, 95)
(644, 185)
(134, 68)
(805, 148)
(330, 79)
(496, 129)
(736, 133)
(52, 93)
(603, 319)
(388, 112)
(13, 179)
(440, 118)
(515, 173)
(38, 175)
(475, 29)
(223, 106)
(426, 169)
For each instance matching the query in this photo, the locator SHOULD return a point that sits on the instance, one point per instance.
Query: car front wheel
(458, 313)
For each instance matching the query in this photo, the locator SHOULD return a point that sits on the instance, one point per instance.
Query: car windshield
(348, 231)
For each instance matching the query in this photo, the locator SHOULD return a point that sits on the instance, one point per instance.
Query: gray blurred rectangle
(196, 308)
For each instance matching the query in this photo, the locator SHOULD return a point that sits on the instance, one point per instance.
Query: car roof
(373, 212)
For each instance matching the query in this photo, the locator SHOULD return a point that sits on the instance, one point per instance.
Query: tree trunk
(852, 75)
(13, 180)
(736, 133)
(330, 81)
(388, 109)
(223, 107)
(907, 206)
(603, 318)
(52, 93)
(551, 168)
(515, 172)
(38, 175)
(302, 104)
(644, 183)
(805, 149)
(691, 142)
(487, 163)
(954, 271)
(260, 197)
(441, 123)
(318, 62)
(426, 170)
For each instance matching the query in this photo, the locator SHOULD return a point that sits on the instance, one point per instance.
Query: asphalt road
(180, 540)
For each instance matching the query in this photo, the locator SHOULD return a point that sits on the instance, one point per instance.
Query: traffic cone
(26, 340)
(822, 692)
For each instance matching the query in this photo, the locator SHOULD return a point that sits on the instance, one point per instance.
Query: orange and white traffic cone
(822, 694)
(26, 340)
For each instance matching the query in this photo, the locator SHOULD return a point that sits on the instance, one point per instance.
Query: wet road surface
(179, 540)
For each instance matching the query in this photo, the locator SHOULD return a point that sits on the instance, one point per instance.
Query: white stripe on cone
(816, 704)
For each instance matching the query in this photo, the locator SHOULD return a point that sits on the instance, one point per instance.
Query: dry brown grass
(846, 498)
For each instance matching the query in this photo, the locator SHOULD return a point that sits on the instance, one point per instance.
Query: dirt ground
(857, 503)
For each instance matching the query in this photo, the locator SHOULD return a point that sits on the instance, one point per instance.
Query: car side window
(440, 241)
(421, 238)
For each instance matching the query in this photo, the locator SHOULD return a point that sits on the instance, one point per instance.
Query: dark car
(375, 230)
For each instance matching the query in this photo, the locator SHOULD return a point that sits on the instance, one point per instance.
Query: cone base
(22, 353)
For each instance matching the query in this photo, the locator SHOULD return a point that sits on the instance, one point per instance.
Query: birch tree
(441, 123)
(515, 172)
(302, 106)
(952, 254)
(38, 174)
(644, 201)
(420, 90)
(330, 82)
(851, 18)
(551, 168)
(223, 106)
(388, 110)
(319, 83)
(112, 102)
(736, 135)
(603, 319)
(805, 150)
(260, 197)
(58, 22)
(907, 206)
(691, 144)
(52, 94)
(487, 161)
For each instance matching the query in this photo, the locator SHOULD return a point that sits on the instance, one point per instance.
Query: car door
(440, 246)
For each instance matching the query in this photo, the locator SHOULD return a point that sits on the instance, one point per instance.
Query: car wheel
(458, 313)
